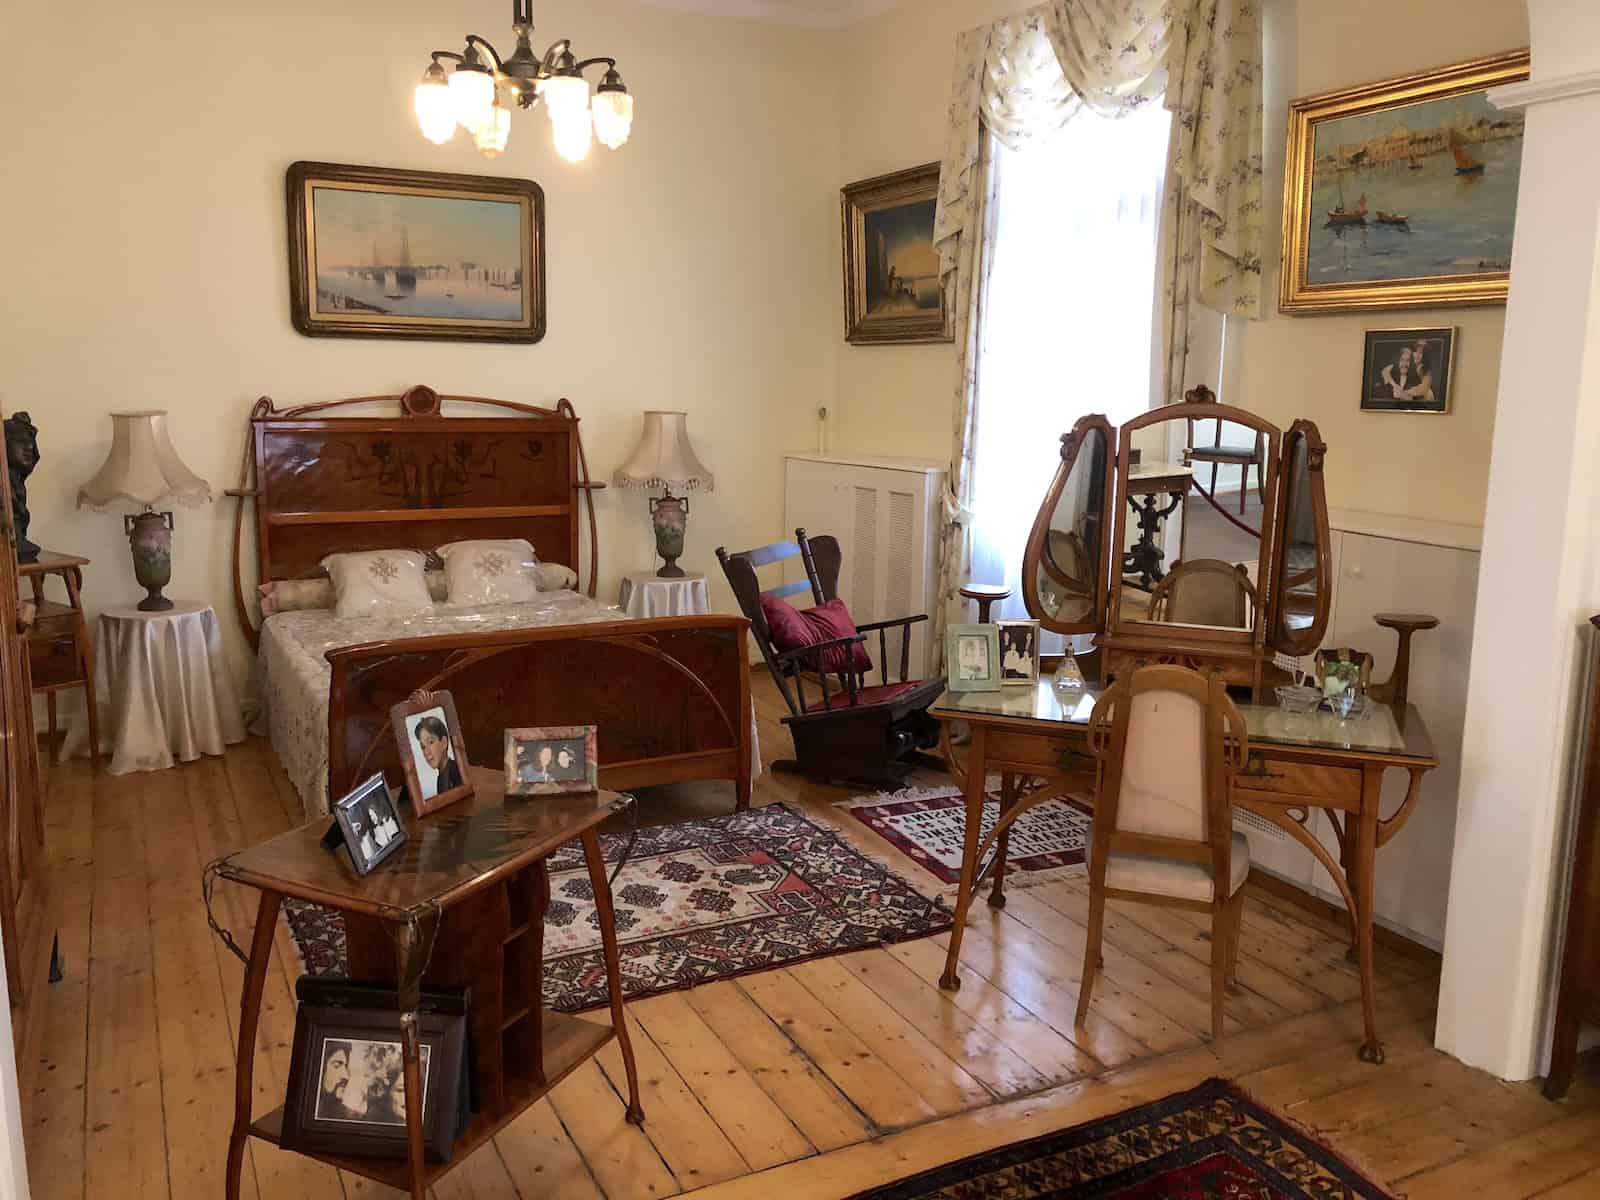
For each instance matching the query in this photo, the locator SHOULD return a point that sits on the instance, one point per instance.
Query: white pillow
(553, 577)
(489, 571)
(378, 583)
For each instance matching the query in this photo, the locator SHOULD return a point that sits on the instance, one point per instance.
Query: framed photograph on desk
(369, 823)
(972, 658)
(433, 752)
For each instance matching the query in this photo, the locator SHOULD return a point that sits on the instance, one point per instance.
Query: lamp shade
(143, 467)
(664, 458)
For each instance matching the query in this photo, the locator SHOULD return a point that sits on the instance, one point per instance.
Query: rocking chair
(853, 731)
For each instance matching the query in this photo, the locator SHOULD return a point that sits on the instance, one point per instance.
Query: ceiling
(816, 13)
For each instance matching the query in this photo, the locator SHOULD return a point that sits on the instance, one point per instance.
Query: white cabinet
(1386, 564)
(885, 513)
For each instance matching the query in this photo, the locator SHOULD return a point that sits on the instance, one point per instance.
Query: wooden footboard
(671, 696)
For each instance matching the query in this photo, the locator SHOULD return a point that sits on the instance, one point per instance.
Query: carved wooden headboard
(418, 479)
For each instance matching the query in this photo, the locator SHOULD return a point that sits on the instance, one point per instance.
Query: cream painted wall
(899, 399)
(142, 233)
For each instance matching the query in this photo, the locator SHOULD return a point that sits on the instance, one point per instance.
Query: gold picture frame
(892, 290)
(1438, 161)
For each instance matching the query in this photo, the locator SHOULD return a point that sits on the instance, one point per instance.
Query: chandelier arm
(438, 54)
(590, 62)
(557, 48)
(494, 56)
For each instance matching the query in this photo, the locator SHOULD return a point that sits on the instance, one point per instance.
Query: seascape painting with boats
(401, 254)
(1419, 191)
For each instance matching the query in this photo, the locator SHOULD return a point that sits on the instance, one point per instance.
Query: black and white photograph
(972, 658)
(364, 1082)
(553, 760)
(1019, 652)
(433, 753)
(1408, 370)
(370, 824)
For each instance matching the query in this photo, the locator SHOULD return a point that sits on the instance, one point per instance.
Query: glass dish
(1297, 698)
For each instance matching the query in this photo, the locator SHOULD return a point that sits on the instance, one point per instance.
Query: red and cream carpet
(698, 901)
(1209, 1143)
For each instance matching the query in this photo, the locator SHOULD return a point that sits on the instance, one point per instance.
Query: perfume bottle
(1068, 679)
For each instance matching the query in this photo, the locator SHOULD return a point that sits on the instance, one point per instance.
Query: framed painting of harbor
(892, 291)
(1403, 193)
(415, 254)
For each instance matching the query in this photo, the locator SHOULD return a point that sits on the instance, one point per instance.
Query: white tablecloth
(163, 681)
(646, 594)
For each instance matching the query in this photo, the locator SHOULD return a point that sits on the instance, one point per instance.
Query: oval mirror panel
(1067, 582)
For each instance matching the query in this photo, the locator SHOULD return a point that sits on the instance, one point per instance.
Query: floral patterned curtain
(1024, 77)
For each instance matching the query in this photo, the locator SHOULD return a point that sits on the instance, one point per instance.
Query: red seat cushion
(794, 629)
(880, 693)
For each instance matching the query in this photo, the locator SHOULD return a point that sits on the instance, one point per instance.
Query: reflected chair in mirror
(1168, 742)
(1205, 591)
(1221, 454)
(847, 728)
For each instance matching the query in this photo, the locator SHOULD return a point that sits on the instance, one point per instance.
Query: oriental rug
(928, 825)
(695, 902)
(1209, 1143)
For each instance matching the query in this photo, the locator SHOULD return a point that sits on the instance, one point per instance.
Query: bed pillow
(378, 583)
(792, 628)
(297, 595)
(553, 577)
(490, 571)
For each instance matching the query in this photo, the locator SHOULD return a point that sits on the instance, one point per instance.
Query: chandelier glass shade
(478, 93)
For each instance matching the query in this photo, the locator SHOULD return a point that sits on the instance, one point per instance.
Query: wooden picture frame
(428, 710)
(892, 289)
(1408, 370)
(375, 252)
(370, 823)
(1010, 631)
(535, 765)
(1439, 166)
(972, 658)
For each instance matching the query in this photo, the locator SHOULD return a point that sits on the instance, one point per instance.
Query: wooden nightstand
(59, 651)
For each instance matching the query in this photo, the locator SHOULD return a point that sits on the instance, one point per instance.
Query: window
(1069, 314)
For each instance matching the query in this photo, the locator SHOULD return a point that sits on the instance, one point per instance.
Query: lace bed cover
(295, 675)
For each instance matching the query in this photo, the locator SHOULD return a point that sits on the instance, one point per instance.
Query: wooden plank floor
(816, 1080)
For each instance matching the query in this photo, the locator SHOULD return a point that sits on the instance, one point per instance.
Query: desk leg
(608, 939)
(410, 974)
(1365, 862)
(976, 770)
(255, 978)
(1008, 801)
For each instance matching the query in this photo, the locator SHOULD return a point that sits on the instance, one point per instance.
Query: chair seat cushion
(794, 629)
(877, 694)
(1173, 877)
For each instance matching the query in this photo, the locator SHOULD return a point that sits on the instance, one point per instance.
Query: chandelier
(477, 95)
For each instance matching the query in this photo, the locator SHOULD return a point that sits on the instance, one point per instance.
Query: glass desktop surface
(1377, 732)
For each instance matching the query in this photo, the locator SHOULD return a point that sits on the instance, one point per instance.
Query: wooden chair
(1220, 455)
(1205, 591)
(1168, 741)
(853, 730)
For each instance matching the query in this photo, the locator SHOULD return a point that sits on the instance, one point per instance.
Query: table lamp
(665, 459)
(144, 469)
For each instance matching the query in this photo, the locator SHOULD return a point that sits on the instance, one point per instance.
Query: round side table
(986, 594)
(646, 594)
(171, 696)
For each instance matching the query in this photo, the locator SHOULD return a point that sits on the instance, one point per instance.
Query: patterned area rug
(698, 901)
(928, 825)
(1210, 1143)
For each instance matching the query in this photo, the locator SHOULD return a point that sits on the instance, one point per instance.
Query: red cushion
(792, 629)
(880, 693)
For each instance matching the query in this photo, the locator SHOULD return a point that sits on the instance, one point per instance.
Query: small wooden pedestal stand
(460, 905)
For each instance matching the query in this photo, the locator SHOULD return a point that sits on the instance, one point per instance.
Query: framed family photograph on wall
(415, 254)
(1408, 370)
(1403, 193)
(433, 752)
(892, 291)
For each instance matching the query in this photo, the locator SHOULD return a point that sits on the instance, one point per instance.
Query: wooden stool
(987, 595)
(59, 650)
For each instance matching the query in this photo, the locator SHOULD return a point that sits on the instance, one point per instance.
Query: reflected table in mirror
(1155, 489)
(1037, 740)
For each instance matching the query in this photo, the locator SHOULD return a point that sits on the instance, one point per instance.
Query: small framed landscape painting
(1408, 370)
(1403, 193)
(892, 291)
(415, 254)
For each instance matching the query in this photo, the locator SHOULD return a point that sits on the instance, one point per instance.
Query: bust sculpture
(22, 456)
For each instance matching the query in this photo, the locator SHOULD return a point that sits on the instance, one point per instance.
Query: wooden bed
(671, 696)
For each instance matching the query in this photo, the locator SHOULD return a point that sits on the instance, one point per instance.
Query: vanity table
(1298, 762)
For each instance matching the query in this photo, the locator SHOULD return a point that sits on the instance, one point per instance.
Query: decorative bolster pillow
(294, 595)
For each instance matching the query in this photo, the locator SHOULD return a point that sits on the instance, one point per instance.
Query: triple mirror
(1196, 533)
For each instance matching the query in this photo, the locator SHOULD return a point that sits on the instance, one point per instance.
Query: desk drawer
(1034, 750)
(1340, 786)
(52, 662)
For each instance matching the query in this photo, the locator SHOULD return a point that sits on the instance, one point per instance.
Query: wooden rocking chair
(853, 731)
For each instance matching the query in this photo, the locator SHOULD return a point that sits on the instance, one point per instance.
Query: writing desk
(1038, 740)
(461, 904)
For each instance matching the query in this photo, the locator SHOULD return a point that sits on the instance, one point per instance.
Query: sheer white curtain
(1068, 316)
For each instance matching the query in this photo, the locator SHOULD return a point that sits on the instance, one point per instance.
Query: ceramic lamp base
(669, 516)
(150, 540)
